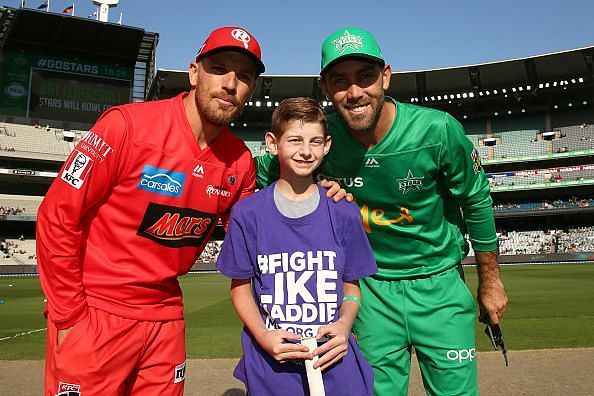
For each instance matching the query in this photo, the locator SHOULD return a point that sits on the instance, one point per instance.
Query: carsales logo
(461, 355)
(162, 181)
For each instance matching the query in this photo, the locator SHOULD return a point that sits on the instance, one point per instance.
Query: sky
(413, 35)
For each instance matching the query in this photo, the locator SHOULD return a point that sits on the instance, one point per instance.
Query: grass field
(551, 306)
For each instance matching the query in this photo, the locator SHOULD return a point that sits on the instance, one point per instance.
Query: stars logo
(348, 40)
(410, 182)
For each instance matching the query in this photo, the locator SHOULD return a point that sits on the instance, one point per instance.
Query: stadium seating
(28, 204)
(573, 240)
(30, 139)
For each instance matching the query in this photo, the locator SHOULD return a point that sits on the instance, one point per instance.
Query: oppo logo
(462, 354)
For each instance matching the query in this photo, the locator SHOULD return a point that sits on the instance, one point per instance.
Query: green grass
(550, 307)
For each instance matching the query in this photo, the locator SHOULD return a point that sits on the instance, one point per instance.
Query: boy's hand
(274, 342)
(335, 191)
(336, 348)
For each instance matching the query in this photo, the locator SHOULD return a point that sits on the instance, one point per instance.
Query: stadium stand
(31, 139)
(19, 204)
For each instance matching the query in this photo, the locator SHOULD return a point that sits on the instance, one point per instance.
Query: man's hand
(277, 343)
(491, 294)
(336, 348)
(62, 334)
(335, 191)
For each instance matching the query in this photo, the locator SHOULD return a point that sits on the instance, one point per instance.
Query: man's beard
(363, 123)
(215, 114)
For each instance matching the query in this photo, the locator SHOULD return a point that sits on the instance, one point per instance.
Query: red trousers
(105, 354)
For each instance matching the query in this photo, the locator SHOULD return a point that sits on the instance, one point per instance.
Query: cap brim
(259, 65)
(374, 59)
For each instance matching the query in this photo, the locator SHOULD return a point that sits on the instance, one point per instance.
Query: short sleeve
(359, 258)
(234, 258)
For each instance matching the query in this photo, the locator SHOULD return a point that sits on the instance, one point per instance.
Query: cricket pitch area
(531, 372)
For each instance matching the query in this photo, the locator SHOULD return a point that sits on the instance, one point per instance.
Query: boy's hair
(297, 109)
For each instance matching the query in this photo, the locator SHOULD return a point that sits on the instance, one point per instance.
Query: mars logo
(175, 227)
(66, 389)
(241, 35)
(77, 169)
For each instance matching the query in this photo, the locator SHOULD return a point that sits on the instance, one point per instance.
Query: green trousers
(436, 316)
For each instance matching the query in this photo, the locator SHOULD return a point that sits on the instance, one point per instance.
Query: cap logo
(201, 48)
(241, 35)
(348, 40)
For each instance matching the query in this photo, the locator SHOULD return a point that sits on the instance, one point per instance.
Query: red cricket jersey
(131, 210)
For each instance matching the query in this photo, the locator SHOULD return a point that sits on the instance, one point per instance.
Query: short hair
(297, 109)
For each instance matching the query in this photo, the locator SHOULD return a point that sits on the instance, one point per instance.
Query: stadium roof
(552, 68)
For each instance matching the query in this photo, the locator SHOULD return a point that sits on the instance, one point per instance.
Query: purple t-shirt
(298, 267)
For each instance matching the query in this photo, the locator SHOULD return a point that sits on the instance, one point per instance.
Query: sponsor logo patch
(343, 181)
(198, 171)
(77, 169)
(461, 355)
(476, 161)
(95, 146)
(371, 163)
(410, 182)
(180, 373)
(66, 389)
(175, 227)
(217, 190)
(162, 181)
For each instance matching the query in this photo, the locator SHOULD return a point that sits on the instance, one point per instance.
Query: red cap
(233, 37)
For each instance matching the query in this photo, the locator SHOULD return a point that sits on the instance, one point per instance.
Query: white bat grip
(314, 376)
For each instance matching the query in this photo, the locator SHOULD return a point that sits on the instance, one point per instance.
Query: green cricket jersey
(412, 189)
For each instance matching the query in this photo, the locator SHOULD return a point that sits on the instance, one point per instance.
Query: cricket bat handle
(314, 376)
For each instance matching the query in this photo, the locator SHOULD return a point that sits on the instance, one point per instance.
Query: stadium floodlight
(258, 103)
(570, 104)
(495, 92)
(269, 104)
(509, 112)
(276, 104)
(523, 110)
(244, 124)
(585, 102)
(496, 114)
(573, 81)
(581, 79)
(464, 95)
(104, 6)
(555, 107)
(232, 124)
(514, 89)
(438, 97)
(471, 94)
(528, 88)
(520, 88)
(504, 90)
(541, 85)
(547, 85)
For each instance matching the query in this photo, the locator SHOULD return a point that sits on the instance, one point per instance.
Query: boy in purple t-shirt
(295, 258)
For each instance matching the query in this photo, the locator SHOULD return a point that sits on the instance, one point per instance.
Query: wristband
(352, 298)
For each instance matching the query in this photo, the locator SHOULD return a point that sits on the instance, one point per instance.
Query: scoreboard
(46, 87)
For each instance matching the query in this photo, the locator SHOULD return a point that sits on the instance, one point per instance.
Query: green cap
(350, 42)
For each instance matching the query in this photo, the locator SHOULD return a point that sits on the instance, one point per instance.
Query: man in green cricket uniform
(420, 186)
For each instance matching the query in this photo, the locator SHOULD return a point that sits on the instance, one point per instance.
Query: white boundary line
(22, 334)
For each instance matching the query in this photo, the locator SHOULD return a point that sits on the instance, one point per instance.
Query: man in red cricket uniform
(130, 211)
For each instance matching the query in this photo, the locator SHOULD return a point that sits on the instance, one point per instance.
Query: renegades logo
(176, 227)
